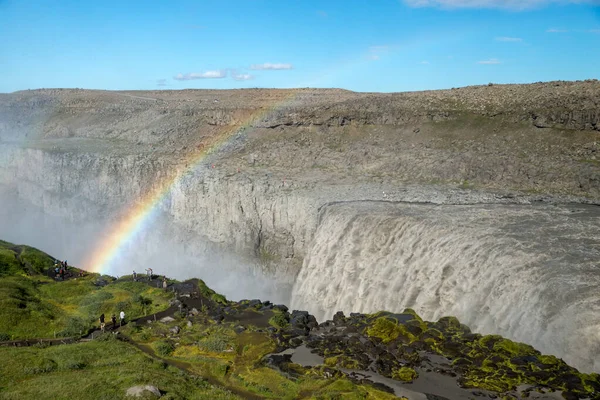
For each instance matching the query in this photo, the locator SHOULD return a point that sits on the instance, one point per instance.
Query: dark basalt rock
(394, 344)
(339, 319)
(280, 307)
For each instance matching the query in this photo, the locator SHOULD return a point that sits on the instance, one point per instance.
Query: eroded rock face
(255, 172)
(92, 154)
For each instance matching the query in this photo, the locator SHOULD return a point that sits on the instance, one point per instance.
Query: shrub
(164, 347)
(4, 337)
(123, 306)
(279, 320)
(146, 334)
(106, 337)
(219, 339)
(75, 326)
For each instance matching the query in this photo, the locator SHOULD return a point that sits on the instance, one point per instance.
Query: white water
(530, 273)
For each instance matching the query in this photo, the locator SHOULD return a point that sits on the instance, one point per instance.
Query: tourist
(134, 276)
(121, 318)
(114, 321)
(102, 322)
(164, 282)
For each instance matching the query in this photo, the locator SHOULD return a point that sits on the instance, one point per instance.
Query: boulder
(142, 390)
(175, 330)
(239, 329)
(255, 303)
(167, 319)
(280, 307)
(339, 318)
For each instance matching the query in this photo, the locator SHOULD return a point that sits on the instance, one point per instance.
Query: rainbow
(137, 217)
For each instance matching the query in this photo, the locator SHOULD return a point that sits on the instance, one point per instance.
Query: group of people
(165, 283)
(148, 274)
(113, 319)
(60, 269)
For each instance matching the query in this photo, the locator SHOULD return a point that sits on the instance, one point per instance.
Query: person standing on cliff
(121, 318)
(165, 282)
(134, 276)
(113, 319)
(102, 322)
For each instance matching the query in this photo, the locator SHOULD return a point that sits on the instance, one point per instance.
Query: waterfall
(530, 273)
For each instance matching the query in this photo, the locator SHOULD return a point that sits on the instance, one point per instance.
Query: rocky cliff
(260, 174)
(287, 152)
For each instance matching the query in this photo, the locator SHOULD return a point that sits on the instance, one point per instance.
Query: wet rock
(339, 318)
(167, 319)
(175, 330)
(381, 386)
(280, 307)
(255, 303)
(311, 322)
(194, 311)
(189, 324)
(430, 396)
(174, 302)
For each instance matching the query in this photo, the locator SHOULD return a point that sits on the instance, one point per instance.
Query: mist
(161, 246)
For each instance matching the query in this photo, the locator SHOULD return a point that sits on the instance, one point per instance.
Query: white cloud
(508, 39)
(509, 4)
(216, 74)
(375, 52)
(241, 77)
(490, 61)
(269, 66)
(425, 62)
(554, 30)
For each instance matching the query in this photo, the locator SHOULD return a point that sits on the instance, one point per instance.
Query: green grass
(94, 370)
(35, 306)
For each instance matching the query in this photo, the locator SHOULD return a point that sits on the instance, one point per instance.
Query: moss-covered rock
(405, 374)
(388, 330)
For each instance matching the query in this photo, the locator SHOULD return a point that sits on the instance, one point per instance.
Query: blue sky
(376, 45)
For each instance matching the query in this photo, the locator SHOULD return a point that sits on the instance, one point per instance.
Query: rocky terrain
(255, 173)
(287, 152)
(187, 341)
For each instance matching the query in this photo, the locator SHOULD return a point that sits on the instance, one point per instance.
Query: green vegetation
(488, 362)
(211, 294)
(388, 330)
(102, 369)
(219, 354)
(32, 305)
(405, 374)
(279, 320)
